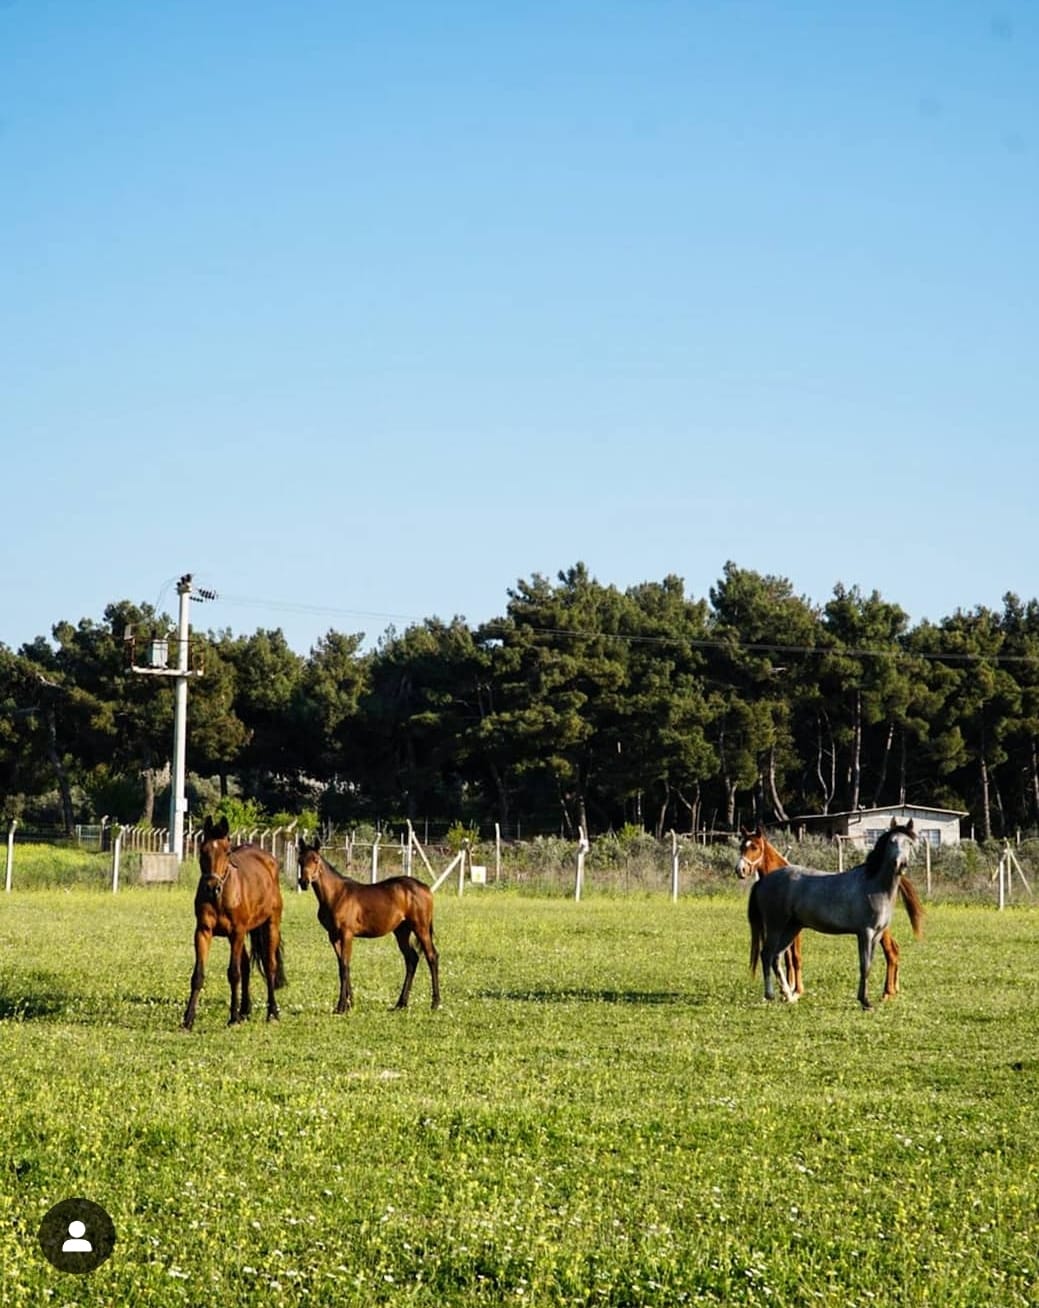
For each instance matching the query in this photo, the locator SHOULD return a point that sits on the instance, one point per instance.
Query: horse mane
(875, 857)
(332, 868)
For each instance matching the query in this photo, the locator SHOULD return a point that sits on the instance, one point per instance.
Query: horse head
(754, 850)
(893, 852)
(905, 839)
(308, 862)
(214, 856)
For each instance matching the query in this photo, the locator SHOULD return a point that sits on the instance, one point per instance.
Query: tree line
(582, 705)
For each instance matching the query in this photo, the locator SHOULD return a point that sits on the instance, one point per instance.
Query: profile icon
(76, 1235)
(76, 1242)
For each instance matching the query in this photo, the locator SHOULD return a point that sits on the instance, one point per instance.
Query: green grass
(604, 1112)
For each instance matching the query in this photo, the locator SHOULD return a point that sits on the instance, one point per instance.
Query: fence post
(465, 860)
(375, 856)
(582, 850)
(497, 852)
(674, 867)
(116, 843)
(10, 853)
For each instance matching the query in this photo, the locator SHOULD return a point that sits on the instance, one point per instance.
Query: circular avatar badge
(76, 1235)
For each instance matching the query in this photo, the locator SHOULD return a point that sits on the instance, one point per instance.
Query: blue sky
(360, 313)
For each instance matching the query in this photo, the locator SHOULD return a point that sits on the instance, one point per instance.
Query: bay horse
(758, 857)
(238, 895)
(347, 908)
(858, 902)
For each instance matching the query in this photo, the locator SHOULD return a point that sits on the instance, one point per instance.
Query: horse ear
(759, 831)
(909, 826)
(894, 824)
(744, 831)
(317, 844)
(207, 827)
(221, 829)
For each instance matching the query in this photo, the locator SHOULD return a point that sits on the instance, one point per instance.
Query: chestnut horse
(759, 857)
(347, 908)
(238, 895)
(857, 903)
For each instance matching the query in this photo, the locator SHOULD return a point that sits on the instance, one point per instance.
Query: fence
(112, 856)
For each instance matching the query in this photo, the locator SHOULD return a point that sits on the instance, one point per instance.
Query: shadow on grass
(36, 1004)
(588, 995)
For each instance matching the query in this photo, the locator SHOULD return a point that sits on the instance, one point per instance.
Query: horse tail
(756, 927)
(259, 938)
(914, 906)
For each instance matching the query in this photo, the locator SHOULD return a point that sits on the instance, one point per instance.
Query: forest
(582, 705)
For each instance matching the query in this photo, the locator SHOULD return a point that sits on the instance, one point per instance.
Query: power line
(330, 610)
(706, 643)
(762, 647)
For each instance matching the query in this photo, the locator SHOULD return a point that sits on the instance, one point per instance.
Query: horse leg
(403, 935)
(771, 966)
(342, 944)
(203, 939)
(867, 943)
(425, 939)
(771, 957)
(789, 993)
(767, 963)
(771, 960)
(234, 974)
(891, 955)
(246, 1006)
(272, 939)
(794, 974)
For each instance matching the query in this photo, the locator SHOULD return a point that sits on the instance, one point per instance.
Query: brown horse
(238, 895)
(348, 908)
(759, 857)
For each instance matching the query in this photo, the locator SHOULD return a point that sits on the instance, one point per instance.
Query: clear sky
(361, 312)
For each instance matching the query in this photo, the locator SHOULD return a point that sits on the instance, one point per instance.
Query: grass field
(604, 1112)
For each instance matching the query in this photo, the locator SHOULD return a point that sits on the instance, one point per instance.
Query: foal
(347, 908)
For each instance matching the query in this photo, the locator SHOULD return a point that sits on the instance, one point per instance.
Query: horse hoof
(273, 1016)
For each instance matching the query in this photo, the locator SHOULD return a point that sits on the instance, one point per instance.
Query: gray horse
(857, 903)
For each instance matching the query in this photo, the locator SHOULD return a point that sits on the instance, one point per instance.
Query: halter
(755, 864)
(219, 882)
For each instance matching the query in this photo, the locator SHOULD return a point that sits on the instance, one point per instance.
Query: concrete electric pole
(159, 667)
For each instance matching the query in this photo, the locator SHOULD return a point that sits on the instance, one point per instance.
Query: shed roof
(883, 808)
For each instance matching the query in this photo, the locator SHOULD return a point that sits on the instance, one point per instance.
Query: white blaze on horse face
(745, 867)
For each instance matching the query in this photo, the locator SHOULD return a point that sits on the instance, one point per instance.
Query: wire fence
(1002, 872)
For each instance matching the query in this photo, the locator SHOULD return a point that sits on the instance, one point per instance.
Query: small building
(862, 826)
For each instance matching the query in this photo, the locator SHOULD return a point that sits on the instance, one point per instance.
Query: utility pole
(159, 667)
(178, 800)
